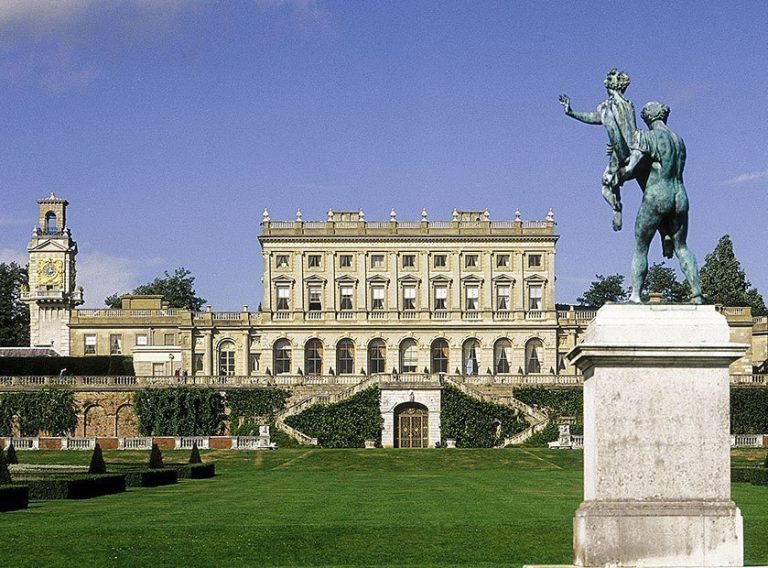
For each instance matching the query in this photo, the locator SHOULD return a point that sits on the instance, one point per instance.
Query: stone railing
(748, 440)
(118, 313)
(523, 436)
(747, 379)
(140, 443)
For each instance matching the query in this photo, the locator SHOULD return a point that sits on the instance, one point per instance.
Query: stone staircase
(307, 401)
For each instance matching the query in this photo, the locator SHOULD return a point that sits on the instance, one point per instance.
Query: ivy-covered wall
(561, 402)
(476, 424)
(749, 410)
(345, 424)
(179, 411)
(248, 409)
(48, 411)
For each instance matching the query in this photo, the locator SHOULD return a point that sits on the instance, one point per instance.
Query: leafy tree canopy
(604, 289)
(663, 280)
(178, 289)
(724, 282)
(14, 314)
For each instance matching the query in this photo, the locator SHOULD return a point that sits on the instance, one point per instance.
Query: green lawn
(310, 507)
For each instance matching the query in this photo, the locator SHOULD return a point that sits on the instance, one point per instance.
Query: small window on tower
(502, 261)
(345, 261)
(313, 261)
(534, 261)
(282, 261)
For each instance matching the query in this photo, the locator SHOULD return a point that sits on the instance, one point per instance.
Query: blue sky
(169, 126)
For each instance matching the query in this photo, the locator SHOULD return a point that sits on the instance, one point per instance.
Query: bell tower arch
(52, 291)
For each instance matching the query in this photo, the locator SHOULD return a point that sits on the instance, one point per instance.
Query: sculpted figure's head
(653, 111)
(616, 80)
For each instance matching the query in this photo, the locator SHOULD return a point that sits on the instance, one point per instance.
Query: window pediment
(441, 279)
(283, 279)
(378, 279)
(473, 278)
(346, 278)
(535, 279)
(409, 278)
(503, 278)
(315, 279)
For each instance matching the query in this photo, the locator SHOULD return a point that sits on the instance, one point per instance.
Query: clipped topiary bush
(194, 455)
(77, 487)
(13, 497)
(196, 471)
(155, 458)
(11, 458)
(5, 473)
(150, 477)
(97, 461)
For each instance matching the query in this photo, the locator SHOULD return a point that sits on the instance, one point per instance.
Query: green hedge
(749, 410)
(345, 424)
(562, 402)
(540, 439)
(51, 410)
(94, 366)
(246, 406)
(150, 477)
(75, 487)
(471, 422)
(196, 470)
(179, 411)
(13, 497)
(753, 475)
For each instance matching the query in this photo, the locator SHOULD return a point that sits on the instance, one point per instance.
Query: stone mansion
(346, 299)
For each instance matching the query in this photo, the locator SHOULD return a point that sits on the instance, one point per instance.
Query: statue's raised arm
(585, 117)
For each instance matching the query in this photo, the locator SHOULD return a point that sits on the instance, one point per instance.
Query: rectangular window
(158, 369)
(346, 297)
(283, 297)
(169, 339)
(473, 293)
(313, 261)
(409, 261)
(534, 261)
(502, 261)
(502, 298)
(115, 344)
(377, 298)
(441, 297)
(377, 261)
(281, 261)
(141, 340)
(409, 297)
(534, 297)
(470, 261)
(90, 344)
(198, 363)
(345, 261)
(315, 298)
(440, 260)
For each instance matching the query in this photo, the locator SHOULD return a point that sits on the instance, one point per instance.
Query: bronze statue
(617, 114)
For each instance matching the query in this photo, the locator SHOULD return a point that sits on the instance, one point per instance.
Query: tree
(14, 315)
(724, 282)
(663, 280)
(604, 289)
(177, 289)
(97, 461)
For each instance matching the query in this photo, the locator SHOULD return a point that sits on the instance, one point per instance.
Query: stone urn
(370, 444)
(450, 443)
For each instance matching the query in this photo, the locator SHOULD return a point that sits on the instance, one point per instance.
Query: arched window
(439, 358)
(409, 356)
(377, 357)
(533, 356)
(470, 356)
(51, 226)
(313, 357)
(502, 353)
(345, 357)
(227, 358)
(282, 356)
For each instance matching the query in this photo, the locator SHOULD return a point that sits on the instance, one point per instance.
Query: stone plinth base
(661, 533)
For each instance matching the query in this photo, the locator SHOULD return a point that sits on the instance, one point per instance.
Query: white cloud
(102, 275)
(749, 176)
(9, 255)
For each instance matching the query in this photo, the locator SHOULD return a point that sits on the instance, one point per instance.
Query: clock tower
(52, 293)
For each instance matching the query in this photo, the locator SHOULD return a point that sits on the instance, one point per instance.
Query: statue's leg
(611, 192)
(688, 264)
(646, 224)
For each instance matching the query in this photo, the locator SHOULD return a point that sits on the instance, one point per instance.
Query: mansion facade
(347, 297)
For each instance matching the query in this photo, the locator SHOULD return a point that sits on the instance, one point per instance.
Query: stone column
(656, 439)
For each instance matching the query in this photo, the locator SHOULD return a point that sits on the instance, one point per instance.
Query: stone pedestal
(657, 439)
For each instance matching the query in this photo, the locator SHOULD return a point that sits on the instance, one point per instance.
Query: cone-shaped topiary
(5, 473)
(97, 461)
(194, 456)
(10, 455)
(155, 458)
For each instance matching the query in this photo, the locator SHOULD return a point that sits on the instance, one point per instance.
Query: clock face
(50, 271)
